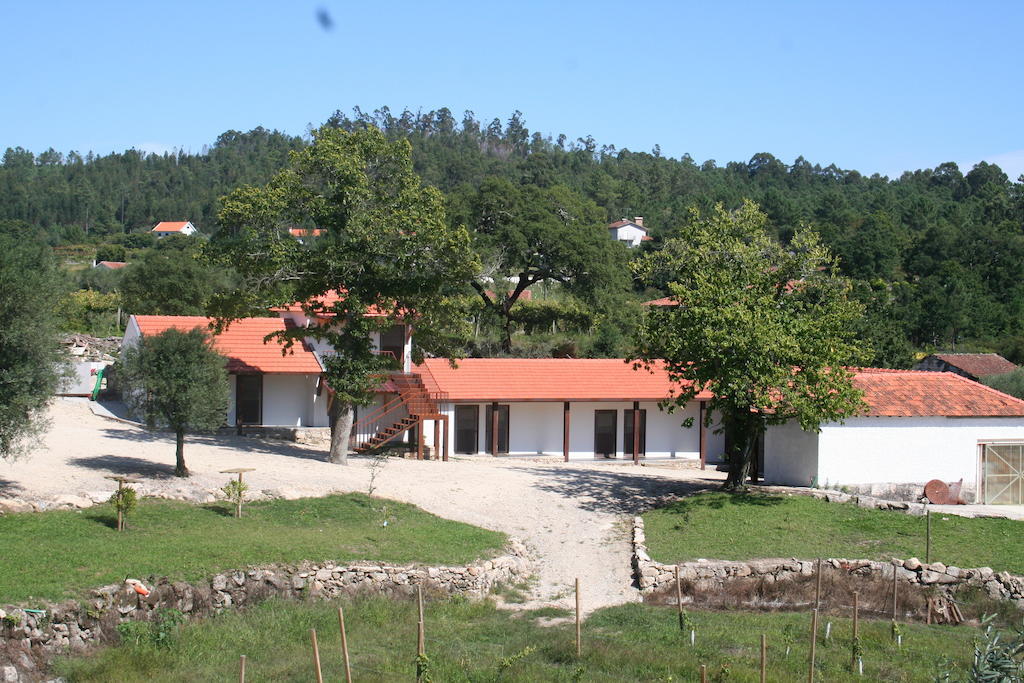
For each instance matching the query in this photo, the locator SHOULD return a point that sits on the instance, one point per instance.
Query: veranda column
(700, 432)
(494, 428)
(565, 431)
(636, 432)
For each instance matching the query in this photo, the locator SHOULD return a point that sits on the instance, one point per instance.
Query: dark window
(502, 429)
(627, 433)
(249, 399)
(392, 343)
(467, 429)
(605, 429)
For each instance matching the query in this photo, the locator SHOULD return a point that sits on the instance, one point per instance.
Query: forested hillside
(938, 254)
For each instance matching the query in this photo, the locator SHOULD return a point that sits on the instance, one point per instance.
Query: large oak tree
(386, 248)
(769, 329)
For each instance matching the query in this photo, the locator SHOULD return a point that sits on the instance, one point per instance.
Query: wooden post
(316, 657)
(856, 629)
(928, 619)
(444, 440)
(764, 658)
(817, 585)
(636, 432)
(494, 428)
(814, 645)
(120, 516)
(679, 601)
(419, 440)
(579, 642)
(565, 431)
(701, 436)
(895, 576)
(928, 537)
(344, 645)
(703, 673)
(239, 471)
(241, 669)
(437, 439)
(421, 640)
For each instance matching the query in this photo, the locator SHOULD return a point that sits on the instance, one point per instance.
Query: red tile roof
(169, 226)
(663, 301)
(113, 265)
(919, 393)
(326, 300)
(242, 343)
(545, 379)
(303, 232)
(978, 364)
(623, 223)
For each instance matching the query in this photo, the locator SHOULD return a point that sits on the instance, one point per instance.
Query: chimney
(639, 220)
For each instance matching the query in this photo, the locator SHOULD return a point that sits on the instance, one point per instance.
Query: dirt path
(573, 516)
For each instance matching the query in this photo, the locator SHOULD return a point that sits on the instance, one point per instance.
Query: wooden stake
(764, 658)
(814, 644)
(344, 645)
(817, 586)
(421, 639)
(856, 629)
(703, 673)
(679, 601)
(120, 516)
(241, 669)
(928, 537)
(928, 620)
(316, 657)
(895, 576)
(579, 641)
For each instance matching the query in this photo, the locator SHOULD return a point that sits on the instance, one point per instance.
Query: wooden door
(502, 430)
(249, 399)
(627, 433)
(467, 429)
(605, 428)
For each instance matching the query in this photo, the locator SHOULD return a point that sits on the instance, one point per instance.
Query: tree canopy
(768, 329)
(31, 357)
(178, 380)
(387, 256)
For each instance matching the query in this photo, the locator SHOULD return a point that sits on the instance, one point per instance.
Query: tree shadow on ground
(617, 491)
(245, 444)
(101, 517)
(9, 489)
(221, 509)
(744, 498)
(125, 465)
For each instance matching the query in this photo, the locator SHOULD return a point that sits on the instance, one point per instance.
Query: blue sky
(876, 86)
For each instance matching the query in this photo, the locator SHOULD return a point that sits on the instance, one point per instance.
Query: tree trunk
(746, 436)
(179, 454)
(506, 339)
(341, 430)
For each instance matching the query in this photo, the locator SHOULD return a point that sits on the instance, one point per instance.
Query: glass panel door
(467, 429)
(249, 399)
(605, 429)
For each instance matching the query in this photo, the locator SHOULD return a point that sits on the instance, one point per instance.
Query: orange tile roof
(663, 301)
(326, 300)
(113, 265)
(545, 379)
(169, 226)
(623, 223)
(242, 343)
(978, 364)
(304, 232)
(919, 393)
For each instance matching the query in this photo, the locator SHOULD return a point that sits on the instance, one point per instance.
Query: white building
(165, 228)
(919, 426)
(632, 233)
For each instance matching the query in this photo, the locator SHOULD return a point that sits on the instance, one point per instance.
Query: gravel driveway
(572, 515)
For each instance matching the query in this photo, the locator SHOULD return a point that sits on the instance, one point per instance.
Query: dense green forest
(937, 254)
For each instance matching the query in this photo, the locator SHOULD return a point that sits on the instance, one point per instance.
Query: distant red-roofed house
(918, 426)
(165, 228)
(669, 301)
(302, 234)
(111, 265)
(632, 233)
(970, 365)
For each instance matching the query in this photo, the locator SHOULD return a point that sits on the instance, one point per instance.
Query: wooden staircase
(409, 408)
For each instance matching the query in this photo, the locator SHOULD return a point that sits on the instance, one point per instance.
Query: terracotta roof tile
(242, 343)
(545, 379)
(112, 265)
(978, 364)
(169, 226)
(663, 301)
(919, 393)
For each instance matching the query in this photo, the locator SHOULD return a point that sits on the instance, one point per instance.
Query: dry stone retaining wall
(28, 639)
(712, 575)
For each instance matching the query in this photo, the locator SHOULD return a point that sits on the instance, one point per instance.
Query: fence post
(814, 644)
(764, 658)
(344, 645)
(241, 669)
(817, 586)
(316, 657)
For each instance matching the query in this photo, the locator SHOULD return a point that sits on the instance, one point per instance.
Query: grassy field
(743, 526)
(51, 555)
(473, 641)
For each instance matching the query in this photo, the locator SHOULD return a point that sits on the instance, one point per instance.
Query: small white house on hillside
(165, 228)
(632, 233)
(919, 426)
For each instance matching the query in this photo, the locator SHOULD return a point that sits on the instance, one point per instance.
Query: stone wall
(28, 639)
(712, 575)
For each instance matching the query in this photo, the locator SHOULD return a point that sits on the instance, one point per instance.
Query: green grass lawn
(473, 641)
(727, 526)
(51, 555)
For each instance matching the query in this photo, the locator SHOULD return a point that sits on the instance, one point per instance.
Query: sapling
(124, 500)
(234, 491)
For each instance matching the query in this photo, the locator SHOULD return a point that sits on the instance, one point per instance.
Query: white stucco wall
(790, 455)
(291, 401)
(630, 234)
(886, 450)
(535, 428)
